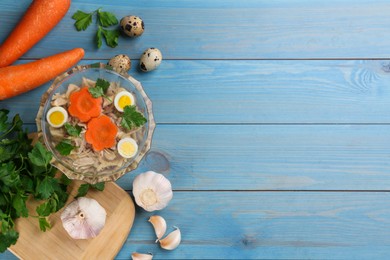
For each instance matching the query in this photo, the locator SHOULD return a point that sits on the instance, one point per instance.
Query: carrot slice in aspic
(84, 106)
(101, 133)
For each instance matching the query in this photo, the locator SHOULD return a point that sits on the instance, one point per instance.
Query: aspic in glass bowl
(85, 161)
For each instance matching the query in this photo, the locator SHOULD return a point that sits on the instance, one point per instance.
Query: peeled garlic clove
(139, 256)
(152, 191)
(159, 225)
(83, 218)
(172, 240)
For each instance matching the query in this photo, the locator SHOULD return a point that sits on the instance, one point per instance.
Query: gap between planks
(302, 191)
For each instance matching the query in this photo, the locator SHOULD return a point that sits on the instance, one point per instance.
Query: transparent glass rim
(95, 177)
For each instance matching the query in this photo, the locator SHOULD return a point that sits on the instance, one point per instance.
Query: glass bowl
(97, 171)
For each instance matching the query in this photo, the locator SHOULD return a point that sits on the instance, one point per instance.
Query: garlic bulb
(159, 225)
(83, 218)
(139, 256)
(172, 240)
(152, 191)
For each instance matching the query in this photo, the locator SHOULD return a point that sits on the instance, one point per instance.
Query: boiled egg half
(57, 116)
(127, 147)
(123, 99)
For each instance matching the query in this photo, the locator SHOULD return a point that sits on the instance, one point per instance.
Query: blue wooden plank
(270, 92)
(269, 225)
(228, 29)
(285, 157)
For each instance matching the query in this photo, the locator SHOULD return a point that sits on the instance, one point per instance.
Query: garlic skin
(152, 191)
(172, 240)
(139, 256)
(83, 218)
(159, 225)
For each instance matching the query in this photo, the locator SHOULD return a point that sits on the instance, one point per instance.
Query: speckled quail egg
(121, 63)
(132, 25)
(150, 59)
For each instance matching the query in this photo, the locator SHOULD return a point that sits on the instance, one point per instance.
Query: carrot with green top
(39, 19)
(18, 79)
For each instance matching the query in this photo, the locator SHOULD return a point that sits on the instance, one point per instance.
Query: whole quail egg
(150, 59)
(121, 63)
(132, 25)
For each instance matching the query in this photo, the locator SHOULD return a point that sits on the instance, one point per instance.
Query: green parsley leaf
(65, 147)
(61, 197)
(99, 36)
(132, 118)
(19, 204)
(46, 187)
(44, 224)
(103, 84)
(4, 125)
(106, 18)
(65, 180)
(9, 176)
(8, 238)
(44, 209)
(73, 130)
(98, 186)
(96, 92)
(39, 155)
(100, 88)
(9, 148)
(83, 20)
(83, 190)
(111, 36)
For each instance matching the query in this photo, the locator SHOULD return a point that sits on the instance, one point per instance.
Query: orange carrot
(18, 79)
(101, 133)
(37, 21)
(84, 106)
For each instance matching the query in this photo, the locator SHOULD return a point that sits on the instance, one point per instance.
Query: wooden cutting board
(57, 244)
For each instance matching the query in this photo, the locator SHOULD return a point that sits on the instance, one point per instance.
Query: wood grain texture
(269, 157)
(257, 92)
(228, 29)
(269, 225)
(57, 244)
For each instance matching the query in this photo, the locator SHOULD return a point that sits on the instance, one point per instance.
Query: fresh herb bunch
(104, 19)
(25, 171)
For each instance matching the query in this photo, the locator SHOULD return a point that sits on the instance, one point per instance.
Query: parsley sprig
(131, 118)
(85, 187)
(104, 20)
(100, 88)
(25, 171)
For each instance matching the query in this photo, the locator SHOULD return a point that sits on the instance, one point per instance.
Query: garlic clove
(83, 218)
(159, 225)
(172, 240)
(152, 191)
(139, 256)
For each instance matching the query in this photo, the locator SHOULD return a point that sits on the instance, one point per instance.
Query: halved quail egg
(57, 116)
(127, 147)
(123, 99)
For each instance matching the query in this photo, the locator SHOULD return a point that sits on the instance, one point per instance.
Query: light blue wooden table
(273, 122)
